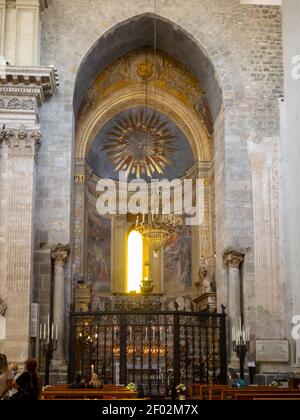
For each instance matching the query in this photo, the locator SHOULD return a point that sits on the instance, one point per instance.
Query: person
(16, 373)
(96, 382)
(29, 382)
(236, 382)
(78, 384)
(6, 377)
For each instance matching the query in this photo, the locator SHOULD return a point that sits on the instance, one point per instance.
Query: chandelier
(156, 229)
(158, 149)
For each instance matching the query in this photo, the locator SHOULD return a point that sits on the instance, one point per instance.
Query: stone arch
(176, 41)
(205, 55)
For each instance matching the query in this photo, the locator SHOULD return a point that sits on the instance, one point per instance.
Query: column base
(58, 372)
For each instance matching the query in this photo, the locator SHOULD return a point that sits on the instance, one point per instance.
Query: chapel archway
(144, 80)
(126, 75)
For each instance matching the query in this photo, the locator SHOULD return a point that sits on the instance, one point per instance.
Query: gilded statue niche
(155, 70)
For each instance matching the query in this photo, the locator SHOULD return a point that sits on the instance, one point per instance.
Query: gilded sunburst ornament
(140, 144)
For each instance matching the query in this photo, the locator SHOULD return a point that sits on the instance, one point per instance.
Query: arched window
(135, 260)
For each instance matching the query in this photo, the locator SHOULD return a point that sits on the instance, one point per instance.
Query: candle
(130, 333)
(153, 330)
(52, 331)
(92, 368)
(41, 327)
(146, 333)
(44, 331)
(56, 332)
(48, 329)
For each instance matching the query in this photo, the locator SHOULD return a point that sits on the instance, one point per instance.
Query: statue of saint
(203, 283)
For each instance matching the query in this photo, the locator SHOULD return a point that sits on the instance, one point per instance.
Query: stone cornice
(37, 82)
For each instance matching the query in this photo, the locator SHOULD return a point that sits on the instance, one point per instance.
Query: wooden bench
(259, 397)
(205, 392)
(230, 394)
(225, 392)
(88, 394)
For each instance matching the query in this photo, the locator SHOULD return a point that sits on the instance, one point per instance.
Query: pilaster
(264, 157)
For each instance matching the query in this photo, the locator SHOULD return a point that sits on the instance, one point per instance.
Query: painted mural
(178, 263)
(99, 254)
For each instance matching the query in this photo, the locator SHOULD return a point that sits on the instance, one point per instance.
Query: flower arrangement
(274, 384)
(181, 389)
(132, 387)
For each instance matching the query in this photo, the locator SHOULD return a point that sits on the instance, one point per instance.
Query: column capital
(22, 141)
(234, 259)
(59, 254)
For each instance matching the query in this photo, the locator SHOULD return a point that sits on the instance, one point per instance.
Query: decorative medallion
(140, 144)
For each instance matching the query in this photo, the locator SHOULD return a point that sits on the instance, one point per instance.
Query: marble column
(19, 144)
(234, 259)
(59, 257)
(22, 148)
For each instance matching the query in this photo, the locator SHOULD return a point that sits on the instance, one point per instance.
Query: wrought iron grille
(156, 351)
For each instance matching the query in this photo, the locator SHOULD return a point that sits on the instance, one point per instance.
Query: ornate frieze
(18, 103)
(137, 303)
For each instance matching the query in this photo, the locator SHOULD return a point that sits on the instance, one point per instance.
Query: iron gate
(156, 351)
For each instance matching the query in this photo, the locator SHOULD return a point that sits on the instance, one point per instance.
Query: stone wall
(244, 44)
(290, 147)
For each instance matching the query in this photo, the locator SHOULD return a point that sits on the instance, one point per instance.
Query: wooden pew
(231, 393)
(205, 392)
(270, 397)
(225, 392)
(86, 394)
